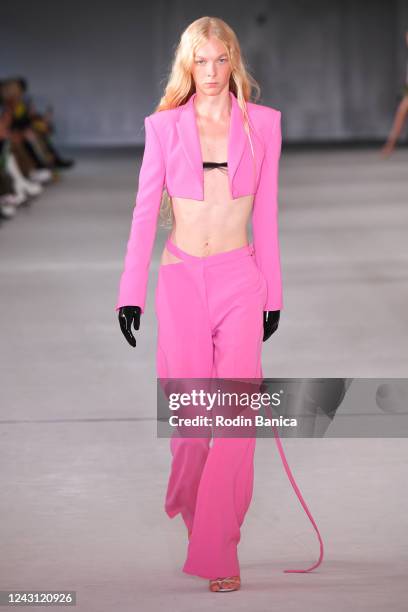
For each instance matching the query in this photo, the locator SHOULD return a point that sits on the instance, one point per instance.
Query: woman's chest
(186, 150)
(213, 140)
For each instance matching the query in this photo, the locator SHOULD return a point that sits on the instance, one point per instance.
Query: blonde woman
(218, 296)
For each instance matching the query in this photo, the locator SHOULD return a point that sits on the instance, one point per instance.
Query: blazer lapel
(188, 134)
(236, 141)
(190, 139)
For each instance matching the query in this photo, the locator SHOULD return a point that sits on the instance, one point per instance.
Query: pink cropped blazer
(172, 158)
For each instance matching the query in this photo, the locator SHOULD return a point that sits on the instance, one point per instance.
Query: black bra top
(215, 164)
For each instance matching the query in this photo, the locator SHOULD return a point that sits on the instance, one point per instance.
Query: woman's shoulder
(163, 118)
(263, 115)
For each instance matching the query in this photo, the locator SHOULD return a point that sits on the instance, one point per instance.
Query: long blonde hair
(180, 85)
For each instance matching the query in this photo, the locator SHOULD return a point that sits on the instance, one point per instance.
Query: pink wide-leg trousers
(210, 325)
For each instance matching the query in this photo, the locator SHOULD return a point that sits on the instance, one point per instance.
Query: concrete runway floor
(83, 473)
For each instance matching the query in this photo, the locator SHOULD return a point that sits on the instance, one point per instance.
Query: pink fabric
(210, 324)
(172, 158)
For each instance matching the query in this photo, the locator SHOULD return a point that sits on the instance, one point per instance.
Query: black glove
(270, 321)
(128, 315)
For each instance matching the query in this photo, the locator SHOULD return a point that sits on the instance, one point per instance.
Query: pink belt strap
(302, 501)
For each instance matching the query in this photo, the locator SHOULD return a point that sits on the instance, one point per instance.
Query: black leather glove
(271, 322)
(128, 315)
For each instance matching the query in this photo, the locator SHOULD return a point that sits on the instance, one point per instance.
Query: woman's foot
(223, 585)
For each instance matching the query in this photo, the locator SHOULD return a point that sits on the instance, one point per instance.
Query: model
(218, 296)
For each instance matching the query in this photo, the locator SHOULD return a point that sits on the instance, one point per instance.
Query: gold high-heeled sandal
(223, 585)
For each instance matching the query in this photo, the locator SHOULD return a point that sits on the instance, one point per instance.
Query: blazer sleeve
(133, 282)
(265, 217)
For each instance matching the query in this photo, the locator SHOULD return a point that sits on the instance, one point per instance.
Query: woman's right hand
(128, 315)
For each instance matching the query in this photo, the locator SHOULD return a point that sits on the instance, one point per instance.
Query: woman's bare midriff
(213, 225)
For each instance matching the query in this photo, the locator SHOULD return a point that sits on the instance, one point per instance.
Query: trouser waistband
(244, 251)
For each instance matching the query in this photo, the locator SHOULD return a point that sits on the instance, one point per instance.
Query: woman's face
(211, 67)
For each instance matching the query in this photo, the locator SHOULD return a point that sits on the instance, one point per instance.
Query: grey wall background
(333, 67)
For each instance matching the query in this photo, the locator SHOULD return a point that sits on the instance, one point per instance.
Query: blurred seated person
(26, 166)
(15, 188)
(8, 198)
(34, 127)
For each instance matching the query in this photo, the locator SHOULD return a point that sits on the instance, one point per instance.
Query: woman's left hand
(270, 322)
